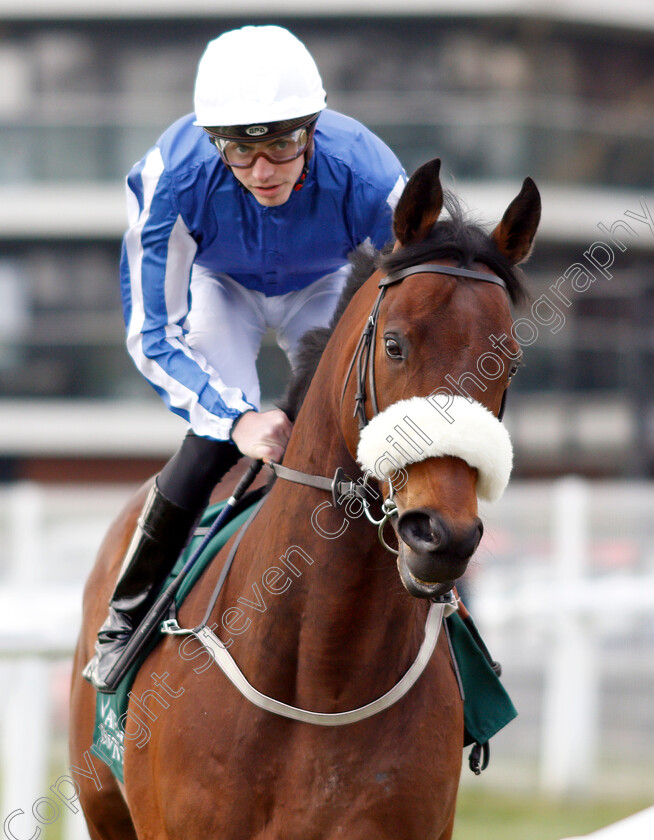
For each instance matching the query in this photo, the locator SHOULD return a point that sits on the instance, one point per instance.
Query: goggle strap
(300, 183)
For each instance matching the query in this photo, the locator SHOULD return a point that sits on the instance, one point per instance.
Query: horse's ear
(514, 236)
(420, 204)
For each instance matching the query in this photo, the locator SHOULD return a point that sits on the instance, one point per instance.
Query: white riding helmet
(255, 76)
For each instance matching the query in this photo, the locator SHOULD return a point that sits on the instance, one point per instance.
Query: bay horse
(313, 609)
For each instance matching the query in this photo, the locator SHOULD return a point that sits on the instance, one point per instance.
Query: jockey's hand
(262, 434)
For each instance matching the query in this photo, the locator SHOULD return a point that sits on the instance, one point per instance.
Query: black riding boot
(161, 533)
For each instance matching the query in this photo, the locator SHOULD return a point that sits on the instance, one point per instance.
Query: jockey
(241, 219)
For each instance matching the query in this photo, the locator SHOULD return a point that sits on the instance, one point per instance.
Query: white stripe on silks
(181, 250)
(150, 175)
(396, 192)
(413, 430)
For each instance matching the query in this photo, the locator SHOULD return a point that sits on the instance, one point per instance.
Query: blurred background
(563, 585)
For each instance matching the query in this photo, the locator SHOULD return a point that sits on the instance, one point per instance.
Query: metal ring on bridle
(389, 509)
(382, 525)
(369, 516)
(388, 506)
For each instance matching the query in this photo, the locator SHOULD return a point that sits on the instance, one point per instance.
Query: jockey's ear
(420, 204)
(514, 236)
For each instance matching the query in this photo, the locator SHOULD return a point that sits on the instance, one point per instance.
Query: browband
(432, 268)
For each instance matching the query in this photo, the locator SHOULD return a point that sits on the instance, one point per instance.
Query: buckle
(339, 476)
(171, 628)
(352, 491)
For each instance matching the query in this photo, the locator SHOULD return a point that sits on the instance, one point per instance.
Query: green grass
(487, 815)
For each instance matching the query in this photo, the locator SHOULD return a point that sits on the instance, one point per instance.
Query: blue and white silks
(187, 212)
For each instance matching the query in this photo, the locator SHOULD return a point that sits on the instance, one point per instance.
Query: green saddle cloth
(487, 707)
(108, 734)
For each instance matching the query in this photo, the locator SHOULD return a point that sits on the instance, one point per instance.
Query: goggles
(282, 149)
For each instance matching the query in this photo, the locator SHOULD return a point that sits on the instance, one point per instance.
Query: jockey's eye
(393, 348)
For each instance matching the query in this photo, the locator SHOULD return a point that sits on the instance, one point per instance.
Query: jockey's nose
(262, 169)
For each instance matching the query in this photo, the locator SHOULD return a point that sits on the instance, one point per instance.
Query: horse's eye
(393, 349)
(514, 369)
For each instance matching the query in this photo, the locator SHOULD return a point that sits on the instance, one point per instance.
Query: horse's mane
(456, 237)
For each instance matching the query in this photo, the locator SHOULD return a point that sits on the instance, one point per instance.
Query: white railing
(48, 539)
(562, 588)
(564, 594)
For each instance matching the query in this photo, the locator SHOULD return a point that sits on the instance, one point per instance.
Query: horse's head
(431, 371)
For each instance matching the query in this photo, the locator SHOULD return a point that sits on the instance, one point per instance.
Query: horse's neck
(327, 595)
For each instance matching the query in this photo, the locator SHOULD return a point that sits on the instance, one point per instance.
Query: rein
(340, 486)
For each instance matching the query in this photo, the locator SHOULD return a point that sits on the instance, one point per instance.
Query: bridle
(363, 359)
(340, 486)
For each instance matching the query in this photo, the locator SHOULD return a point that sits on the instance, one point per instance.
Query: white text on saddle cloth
(463, 429)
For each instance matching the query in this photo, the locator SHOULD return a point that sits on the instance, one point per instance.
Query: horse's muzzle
(433, 554)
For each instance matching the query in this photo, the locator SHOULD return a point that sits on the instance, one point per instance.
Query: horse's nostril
(425, 532)
(417, 528)
(421, 530)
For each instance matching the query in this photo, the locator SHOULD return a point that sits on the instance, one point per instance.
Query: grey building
(515, 89)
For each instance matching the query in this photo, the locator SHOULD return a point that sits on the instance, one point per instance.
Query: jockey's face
(270, 183)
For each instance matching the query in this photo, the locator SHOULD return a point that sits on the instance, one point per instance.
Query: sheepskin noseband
(412, 430)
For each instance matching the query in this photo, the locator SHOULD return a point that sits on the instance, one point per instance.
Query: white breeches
(227, 322)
